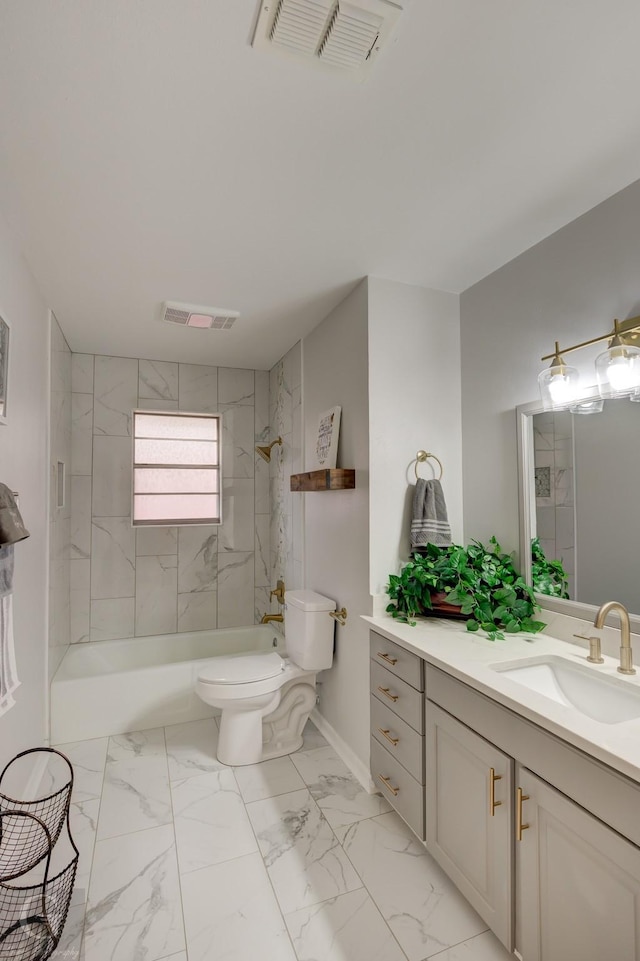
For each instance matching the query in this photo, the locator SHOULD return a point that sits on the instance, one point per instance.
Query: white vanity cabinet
(578, 881)
(541, 838)
(397, 729)
(469, 816)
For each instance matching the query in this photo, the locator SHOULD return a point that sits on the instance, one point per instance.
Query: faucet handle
(595, 652)
(278, 592)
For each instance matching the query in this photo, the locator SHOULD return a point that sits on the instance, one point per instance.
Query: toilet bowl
(266, 699)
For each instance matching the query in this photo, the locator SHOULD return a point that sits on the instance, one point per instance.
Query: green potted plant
(549, 577)
(480, 583)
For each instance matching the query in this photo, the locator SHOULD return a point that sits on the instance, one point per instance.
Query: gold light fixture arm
(619, 329)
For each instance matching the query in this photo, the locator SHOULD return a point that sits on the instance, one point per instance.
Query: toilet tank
(308, 629)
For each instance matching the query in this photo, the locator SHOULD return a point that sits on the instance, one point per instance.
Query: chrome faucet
(626, 654)
(275, 617)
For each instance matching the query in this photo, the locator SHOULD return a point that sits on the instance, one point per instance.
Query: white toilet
(266, 699)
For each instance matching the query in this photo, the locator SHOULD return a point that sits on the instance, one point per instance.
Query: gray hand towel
(429, 523)
(12, 527)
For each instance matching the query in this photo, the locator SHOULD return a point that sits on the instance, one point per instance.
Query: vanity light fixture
(559, 383)
(617, 371)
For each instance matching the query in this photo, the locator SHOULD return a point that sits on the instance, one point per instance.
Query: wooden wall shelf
(335, 479)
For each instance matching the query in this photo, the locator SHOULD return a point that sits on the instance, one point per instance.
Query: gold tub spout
(271, 617)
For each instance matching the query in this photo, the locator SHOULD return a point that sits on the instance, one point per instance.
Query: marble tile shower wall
(555, 501)
(287, 519)
(59, 517)
(127, 581)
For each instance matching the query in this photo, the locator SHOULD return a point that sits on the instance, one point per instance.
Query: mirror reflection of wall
(587, 475)
(554, 490)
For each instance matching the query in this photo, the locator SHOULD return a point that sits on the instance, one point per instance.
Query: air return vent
(344, 35)
(192, 315)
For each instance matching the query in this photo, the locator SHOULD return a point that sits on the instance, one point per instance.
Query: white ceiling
(149, 153)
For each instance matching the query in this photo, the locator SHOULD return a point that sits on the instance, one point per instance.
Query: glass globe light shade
(618, 370)
(559, 385)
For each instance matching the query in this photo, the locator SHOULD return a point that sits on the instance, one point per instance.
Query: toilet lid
(242, 669)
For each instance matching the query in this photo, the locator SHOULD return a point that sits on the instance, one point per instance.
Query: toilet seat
(243, 669)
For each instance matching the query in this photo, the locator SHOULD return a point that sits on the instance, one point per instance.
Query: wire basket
(34, 893)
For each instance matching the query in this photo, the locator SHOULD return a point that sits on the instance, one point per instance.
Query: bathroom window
(176, 468)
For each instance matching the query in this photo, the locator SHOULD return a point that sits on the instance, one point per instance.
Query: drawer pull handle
(389, 660)
(394, 740)
(520, 827)
(493, 804)
(387, 783)
(387, 693)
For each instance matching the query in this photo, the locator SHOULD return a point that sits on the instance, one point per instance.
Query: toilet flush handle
(339, 616)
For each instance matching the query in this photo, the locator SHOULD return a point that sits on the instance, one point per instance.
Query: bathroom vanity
(529, 805)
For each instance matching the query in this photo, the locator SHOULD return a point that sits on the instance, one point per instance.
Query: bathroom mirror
(578, 474)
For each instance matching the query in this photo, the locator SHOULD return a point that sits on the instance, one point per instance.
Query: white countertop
(449, 646)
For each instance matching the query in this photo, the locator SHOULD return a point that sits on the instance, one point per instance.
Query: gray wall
(335, 364)
(23, 467)
(127, 582)
(59, 517)
(567, 288)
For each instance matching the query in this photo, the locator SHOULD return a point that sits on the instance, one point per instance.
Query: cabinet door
(578, 882)
(469, 816)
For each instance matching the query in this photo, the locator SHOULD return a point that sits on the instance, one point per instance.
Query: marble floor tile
(348, 928)
(83, 818)
(88, 759)
(305, 861)
(241, 922)
(484, 947)
(211, 821)
(136, 796)
(133, 911)
(338, 794)
(149, 743)
(268, 779)
(191, 748)
(422, 907)
(70, 944)
(312, 737)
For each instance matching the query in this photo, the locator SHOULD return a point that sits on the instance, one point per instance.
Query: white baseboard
(348, 755)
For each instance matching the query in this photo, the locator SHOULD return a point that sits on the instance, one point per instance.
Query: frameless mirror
(578, 479)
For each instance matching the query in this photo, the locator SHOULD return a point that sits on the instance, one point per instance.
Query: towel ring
(424, 455)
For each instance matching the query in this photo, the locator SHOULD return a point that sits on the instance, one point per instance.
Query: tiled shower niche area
(129, 581)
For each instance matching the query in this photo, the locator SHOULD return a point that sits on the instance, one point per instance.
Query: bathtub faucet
(271, 617)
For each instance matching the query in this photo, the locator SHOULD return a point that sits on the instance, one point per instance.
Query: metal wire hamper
(35, 891)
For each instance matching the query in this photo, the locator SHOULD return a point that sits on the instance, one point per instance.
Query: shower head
(265, 452)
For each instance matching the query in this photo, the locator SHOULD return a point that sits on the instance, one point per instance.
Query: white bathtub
(110, 687)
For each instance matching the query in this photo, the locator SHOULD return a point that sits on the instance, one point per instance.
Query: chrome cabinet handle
(520, 827)
(389, 660)
(389, 786)
(394, 740)
(493, 804)
(386, 692)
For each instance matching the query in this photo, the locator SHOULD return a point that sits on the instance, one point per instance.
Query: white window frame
(177, 522)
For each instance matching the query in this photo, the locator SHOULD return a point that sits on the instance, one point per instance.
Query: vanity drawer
(399, 696)
(403, 664)
(398, 787)
(387, 727)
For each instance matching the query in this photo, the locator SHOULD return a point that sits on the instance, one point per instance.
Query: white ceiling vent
(346, 35)
(192, 315)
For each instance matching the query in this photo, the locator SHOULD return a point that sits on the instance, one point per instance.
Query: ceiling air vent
(344, 35)
(192, 315)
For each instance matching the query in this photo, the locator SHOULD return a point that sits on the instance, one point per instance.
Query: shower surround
(129, 581)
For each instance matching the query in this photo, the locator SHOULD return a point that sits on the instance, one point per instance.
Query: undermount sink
(598, 696)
